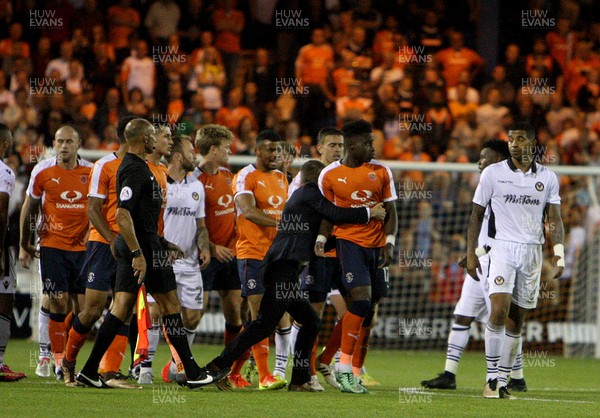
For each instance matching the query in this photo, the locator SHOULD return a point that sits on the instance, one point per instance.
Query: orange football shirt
(103, 185)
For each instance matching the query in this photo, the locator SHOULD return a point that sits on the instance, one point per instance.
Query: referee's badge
(349, 277)
(251, 284)
(539, 186)
(499, 280)
(125, 193)
(195, 196)
(309, 279)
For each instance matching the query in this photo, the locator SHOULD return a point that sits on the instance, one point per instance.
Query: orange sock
(115, 354)
(313, 358)
(58, 336)
(261, 356)
(174, 355)
(69, 322)
(350, 331)
(360, 351)
(74, 344)
(333, 344)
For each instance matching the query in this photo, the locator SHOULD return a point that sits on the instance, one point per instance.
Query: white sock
(494, 335)
(4, 336)
(457, 341)
(510, 347)
(294, 334)
(153, 339)
(190, 334)
(43, 321)
(517, 371)
(282, 349)
(336, 359)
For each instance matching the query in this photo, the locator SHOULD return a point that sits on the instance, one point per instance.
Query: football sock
(457, 341)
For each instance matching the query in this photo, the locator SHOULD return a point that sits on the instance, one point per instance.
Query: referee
(142, 256)
(284, 261)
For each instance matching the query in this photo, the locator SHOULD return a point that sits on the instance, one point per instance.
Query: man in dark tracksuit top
(290, 251)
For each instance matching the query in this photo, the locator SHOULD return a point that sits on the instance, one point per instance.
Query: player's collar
(170, 180)
(513, 167)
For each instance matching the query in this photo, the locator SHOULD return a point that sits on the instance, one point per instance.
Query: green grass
(557, 387)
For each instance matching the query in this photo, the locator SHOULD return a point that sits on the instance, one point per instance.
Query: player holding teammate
(214, 145)
(356, 181)
(7, 257)
(521, 194)
(99, 267)
(474, 303)
(59, 185)
(260, 192)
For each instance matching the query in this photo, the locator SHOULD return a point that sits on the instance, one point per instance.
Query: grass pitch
(557, 387)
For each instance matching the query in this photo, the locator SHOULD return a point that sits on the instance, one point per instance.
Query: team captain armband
(559, 251)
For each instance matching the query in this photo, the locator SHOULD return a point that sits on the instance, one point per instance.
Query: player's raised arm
(557, 235)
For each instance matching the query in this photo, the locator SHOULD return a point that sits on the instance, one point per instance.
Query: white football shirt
(517, 200)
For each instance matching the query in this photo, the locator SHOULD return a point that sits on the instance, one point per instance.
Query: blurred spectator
(209, 77)
(490, 114)
(229, 24)
(578, 72)
(384, 39)
(424, 230)
(61, 64)
(472, 95)
(558, 113)
(429, 35)
(438, 120)
(20, 115)
(75, 82)
(415, 153)
(110, 112)
(162, 20)
(407, 95)
(263, 76)
(449, 277)
(457, 58)
(357, 44)
(431, 82)
(136, 104)
(193, 116)
(313, 64)
(343, 74)
(63, 12)
(541, 60)
(103, 73)
(138, 71)
(19, 80)
(194, 20)
(175, 105)
(13, 46)
(460, 106)
(514, 65)
(123, 20)
(6, 96)
(499, 81)
(254, 102)
(99, 38)
(589, 94)
(387, 73)
(574, 240)
(232, 115)
(353, 106)
(367, 17)
(88, 107)
(88, 17)
(561, 42)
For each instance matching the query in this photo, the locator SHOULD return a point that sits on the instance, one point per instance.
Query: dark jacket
(300, 223)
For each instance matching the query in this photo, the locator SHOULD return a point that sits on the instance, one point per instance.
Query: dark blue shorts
(380, 288)
(359, 264)
(221, 276)
(99, 267)
(322, 275)
(59, 270)
(249, 270)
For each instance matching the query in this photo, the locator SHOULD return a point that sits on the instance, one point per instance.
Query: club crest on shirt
(251, 284)
(499, 280)
(83, 179)
(195, 196)
(91, 277)
(539, 186)
(349, 277)
(309, 279)
(372, 176)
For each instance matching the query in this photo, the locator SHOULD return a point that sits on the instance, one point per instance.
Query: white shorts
(516, 268)
(474, 301)
(8, 285)
(189, 289)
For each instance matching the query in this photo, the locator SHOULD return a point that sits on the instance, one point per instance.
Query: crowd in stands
(410, 68)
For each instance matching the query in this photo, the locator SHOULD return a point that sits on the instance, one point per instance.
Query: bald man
(142, 257)
(59, 186)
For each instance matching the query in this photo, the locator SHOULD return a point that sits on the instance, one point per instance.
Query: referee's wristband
(322, 239)
(559, 251)
(390, 239)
